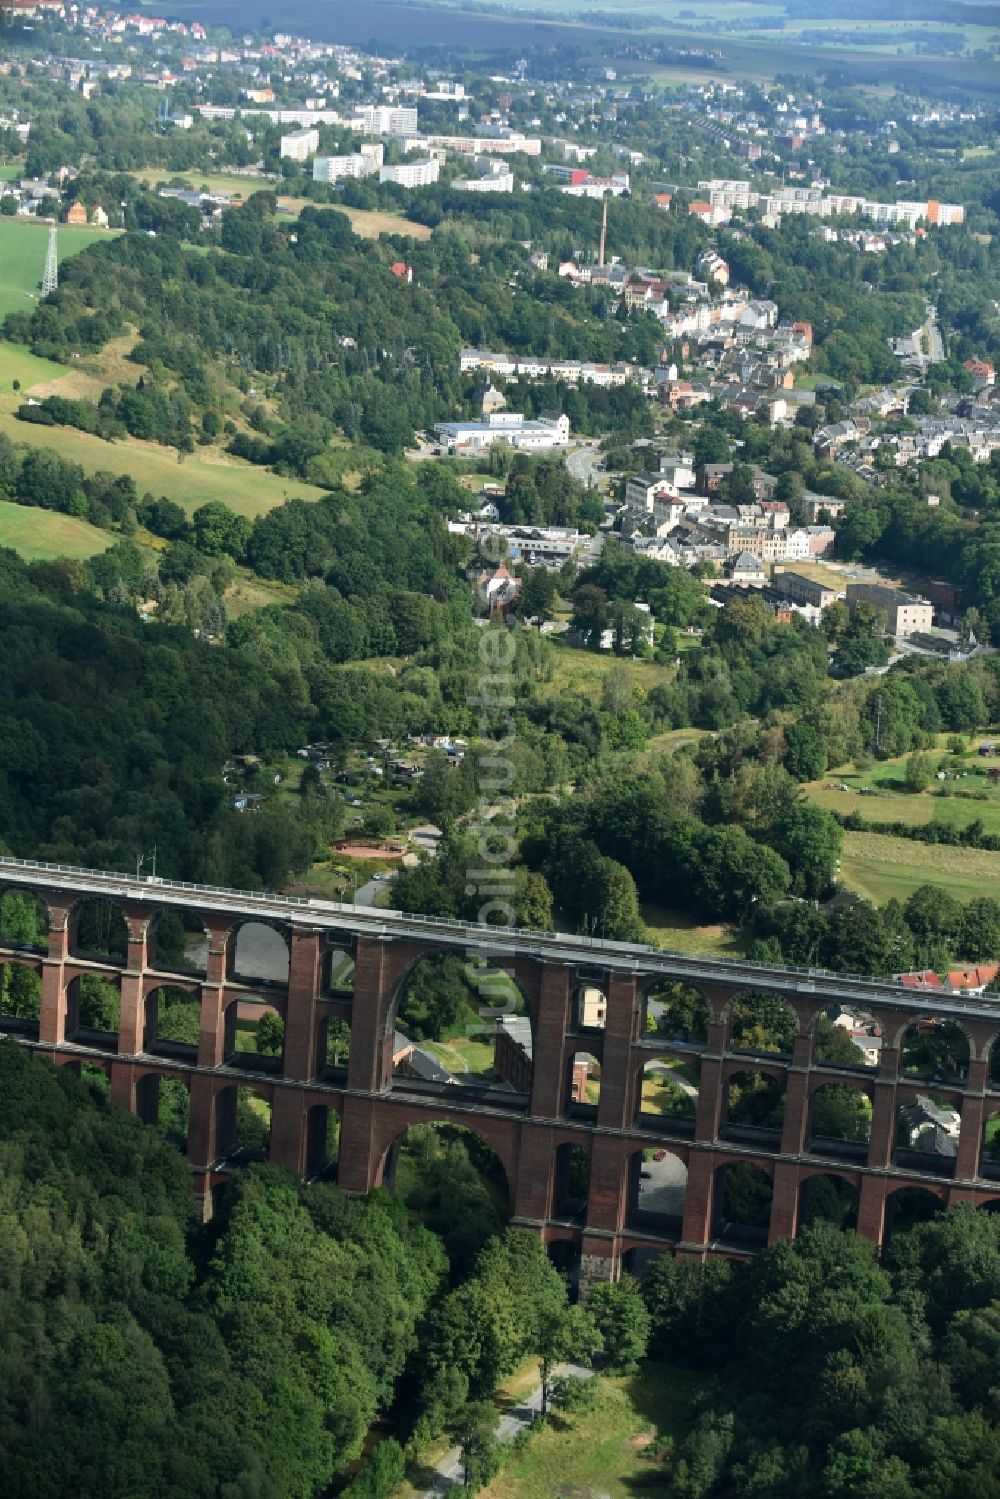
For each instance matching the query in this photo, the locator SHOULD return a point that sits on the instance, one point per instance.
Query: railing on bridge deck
(376, 921)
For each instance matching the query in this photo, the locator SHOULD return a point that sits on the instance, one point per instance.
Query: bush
(569, 1393)
(379, 1474)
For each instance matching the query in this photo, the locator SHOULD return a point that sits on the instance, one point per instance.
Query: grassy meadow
(878, 792)
(879, 866)
(23, 243)
(41, 535)
(191, 480)
(609, 1450)
(586, 671)
(677, 932)
(367, 223)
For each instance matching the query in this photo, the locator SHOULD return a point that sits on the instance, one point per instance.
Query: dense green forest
(834, 1375)
(143, 1354)
(146, 1354)
(141, 1358)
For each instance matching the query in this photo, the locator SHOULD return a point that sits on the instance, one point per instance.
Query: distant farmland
(451, 30)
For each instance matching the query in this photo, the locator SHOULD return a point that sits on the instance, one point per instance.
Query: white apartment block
(642, 490)
(486, 145)
(724, 192)
(299, 144)
(813, 200)
(421, 173)
(572, 371)
(491, 182)
(386, 119)
(361, 163)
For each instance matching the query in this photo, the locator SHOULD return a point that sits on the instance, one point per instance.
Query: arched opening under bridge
(676, 1013)
(571, 1182)
(257, 954)
(172, 1022)
(322, 1142)
(243, 1124)
(590, 1007)
(927, 1133)
(656, 1184)
(909, 1206)
(840, 1121)
(257, 1033)
(847, 1038)
(334, 1048)
(742, 1203)
(93, 1011)
(668, 1093)
(20, 999)
(452, 1181)
(761, 1022)
(461, 1022)
(989, 1154)
(583, 1085)
(99, 931)
(165, 1103)
(178, 943)
(753, 1109)
(24, 921)
(826, 1198)
(936, 1050)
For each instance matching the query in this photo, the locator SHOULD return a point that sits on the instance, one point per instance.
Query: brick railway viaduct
(531, 1134)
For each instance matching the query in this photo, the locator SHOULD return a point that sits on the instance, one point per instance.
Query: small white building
(798, 545)
(644, 635)
(642, 490)
(678, 469)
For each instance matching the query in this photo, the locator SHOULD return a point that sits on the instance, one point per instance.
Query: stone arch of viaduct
(530, 1131)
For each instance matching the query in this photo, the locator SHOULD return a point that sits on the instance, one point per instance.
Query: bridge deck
(497, 943)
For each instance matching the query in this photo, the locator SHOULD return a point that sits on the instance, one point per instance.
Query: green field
(367, 223)
(606, 1451)
(22, 257)
(40, 535)
(576, 670)
(879, 866)
(18, 363)
(677, 932)
(467, 1056)
(878, 793)
(206, 474)
(234, 183)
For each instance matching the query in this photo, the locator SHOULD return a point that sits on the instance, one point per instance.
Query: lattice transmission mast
(50, 279)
